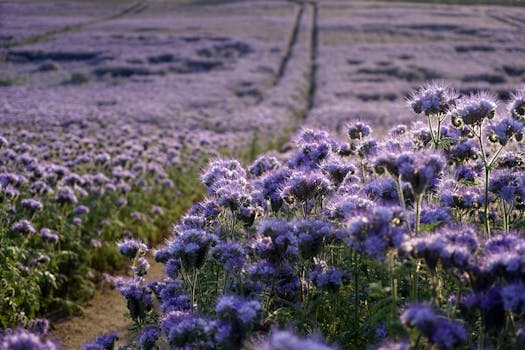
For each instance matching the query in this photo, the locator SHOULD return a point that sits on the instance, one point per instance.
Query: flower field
(319, 175)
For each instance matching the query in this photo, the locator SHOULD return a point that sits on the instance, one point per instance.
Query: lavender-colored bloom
(377, 230)
(337, 169)
(138, 297)
(220, 170)
(185, 330)
(459, 197)
(462, 151)
(131, 247)
(505, 130)
(311, 234)
(507, 186)
(81, 210)
(329, 280)
(433, 98)
(21, 339)
(420, 170)
(448, 334)
(516, 105)
(148, 337)
(24, 227)
(344, 206)
(191, 247)
(47, 235)
(358, 130)
(272, 183)
(314, 146)
(302, 187)
(238, 318)
(453, 247)
(513, 296)
(263, 165)
(157, 210)
(280, 340)
(32, 204)
(95, 243)
(391, 345)
(66, 195)
(230, 254)
(472, 110)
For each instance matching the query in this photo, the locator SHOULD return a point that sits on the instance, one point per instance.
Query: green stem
(417, 224)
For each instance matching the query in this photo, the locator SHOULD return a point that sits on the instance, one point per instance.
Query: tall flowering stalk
(434, 100)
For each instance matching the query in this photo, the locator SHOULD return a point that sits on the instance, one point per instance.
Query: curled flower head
(506, 130)
(474, 109)
(516, 105)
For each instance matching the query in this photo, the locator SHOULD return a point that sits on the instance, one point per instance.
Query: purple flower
(32, 204)
(21, 339)
(131, 247)
(263, 165)
(241, 317)
(311, 235)
(433, 98)
(302, 187)
(81, 210)
(24, 227)
(285, 340)
(185, 330)
(377, 230)
(66, 195)
(472, 110)
(47, 235)
(102, 342)
(358, 130)
(329, 280)
(505, 130)
(138, 297)
(516, 105)
(230, 254)
(148, 337)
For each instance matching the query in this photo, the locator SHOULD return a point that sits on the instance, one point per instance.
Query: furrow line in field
(290, 44)
(135, 7)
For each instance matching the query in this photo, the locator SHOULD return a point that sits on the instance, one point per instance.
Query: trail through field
(104, 313)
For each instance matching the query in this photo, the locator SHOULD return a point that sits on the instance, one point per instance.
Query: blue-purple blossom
(433, 98)
(22, 339)
(358, 130)
(24, 227)
(229, 254)
(330, 279)
(280, 340)
(516, 105)
(131, 247)
(148, 337)
(185, 330)
(474, 109)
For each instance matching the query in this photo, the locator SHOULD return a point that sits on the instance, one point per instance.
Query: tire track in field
(314, 47)
(292, 39)
(136, 7)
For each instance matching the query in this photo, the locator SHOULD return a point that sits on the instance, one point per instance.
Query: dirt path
(104, 313)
